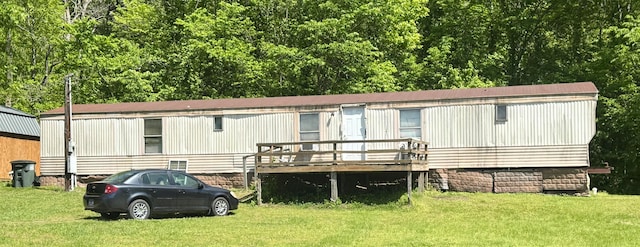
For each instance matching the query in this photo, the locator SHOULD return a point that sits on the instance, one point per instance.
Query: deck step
(248, 197)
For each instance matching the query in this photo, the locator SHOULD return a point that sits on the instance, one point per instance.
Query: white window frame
(501, 113)
(217, 119)
(418, 127)
(307, 147)
(186, 165)
(149, 136)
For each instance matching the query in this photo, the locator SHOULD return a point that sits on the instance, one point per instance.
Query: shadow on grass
(50, 188)
(124, 216)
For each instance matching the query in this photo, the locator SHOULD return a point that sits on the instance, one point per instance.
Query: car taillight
(110, 189)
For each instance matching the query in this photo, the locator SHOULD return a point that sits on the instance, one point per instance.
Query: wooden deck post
(258, 161)
(334, 175)
(409, 185)
(421, 182)
(334, 186)
(259, 189)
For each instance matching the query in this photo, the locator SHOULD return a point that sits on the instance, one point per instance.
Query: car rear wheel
(139, 209)
(220, 206)
(110, 216)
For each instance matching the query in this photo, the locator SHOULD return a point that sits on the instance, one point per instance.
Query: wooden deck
(397, 155)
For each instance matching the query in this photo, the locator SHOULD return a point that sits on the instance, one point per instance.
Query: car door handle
(182, 191)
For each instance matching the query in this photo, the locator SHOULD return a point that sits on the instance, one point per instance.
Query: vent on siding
(180, 165)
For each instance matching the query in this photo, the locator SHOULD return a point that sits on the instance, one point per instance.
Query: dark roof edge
(262, 107)
(20, 136)
(586, 88)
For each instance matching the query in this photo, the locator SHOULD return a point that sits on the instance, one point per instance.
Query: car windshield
(120, 177)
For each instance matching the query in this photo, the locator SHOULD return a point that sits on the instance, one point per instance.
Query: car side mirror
(200, 186)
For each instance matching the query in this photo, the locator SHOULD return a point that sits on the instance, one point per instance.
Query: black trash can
(24, 173)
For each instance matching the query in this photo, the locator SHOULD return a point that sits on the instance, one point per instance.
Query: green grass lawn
(51, 217)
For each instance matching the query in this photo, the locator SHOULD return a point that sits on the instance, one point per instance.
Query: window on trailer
(217, 123)
(501, 113)
(309, 129)
(410, 124)
(152, 136)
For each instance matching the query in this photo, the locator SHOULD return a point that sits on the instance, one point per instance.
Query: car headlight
(233, 194)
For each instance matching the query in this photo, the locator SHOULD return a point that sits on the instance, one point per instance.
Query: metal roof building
(16, 122)
(19, 139)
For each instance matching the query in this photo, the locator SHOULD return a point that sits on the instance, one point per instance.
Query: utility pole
(69, 148)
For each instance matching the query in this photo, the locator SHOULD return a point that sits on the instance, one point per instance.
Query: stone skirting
(224, 180)
(520, 180)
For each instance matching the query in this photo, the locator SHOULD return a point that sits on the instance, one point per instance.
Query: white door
(353, 128)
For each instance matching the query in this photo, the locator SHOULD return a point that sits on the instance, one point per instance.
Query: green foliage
(439, 70)
(219, 59)
(30, 32)
(617, 69)
(532, 42)
(107, 67)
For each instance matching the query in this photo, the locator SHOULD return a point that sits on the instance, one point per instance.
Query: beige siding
(214, 163)
(330, 126)
(548, 124)
(108, 137)
(51, 138)
(329, 130)
(94, 137)
(503, 157)
(459, 126)
(535, 124)
(189, 134)
(382, 124)
(242, 132)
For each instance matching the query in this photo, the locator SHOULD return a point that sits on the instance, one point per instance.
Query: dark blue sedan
(143, 193)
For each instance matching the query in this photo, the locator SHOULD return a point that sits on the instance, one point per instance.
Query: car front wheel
(139, 209)
(220, 206)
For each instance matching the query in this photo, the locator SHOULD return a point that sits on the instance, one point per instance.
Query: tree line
(154, 50)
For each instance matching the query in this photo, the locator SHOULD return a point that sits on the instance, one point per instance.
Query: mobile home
(504, 139)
